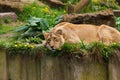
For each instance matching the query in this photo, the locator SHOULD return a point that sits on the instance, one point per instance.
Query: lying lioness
(72, 33)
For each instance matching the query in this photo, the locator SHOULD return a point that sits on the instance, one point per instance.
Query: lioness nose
(52, 46)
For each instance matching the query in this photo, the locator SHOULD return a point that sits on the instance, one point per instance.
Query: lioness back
(75, 33)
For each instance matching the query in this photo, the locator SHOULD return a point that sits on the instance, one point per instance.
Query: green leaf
(22, 28)
(59, 17)
(58, 21)
(32, 24)
(44, 25)
(35, 27)
(28, 31)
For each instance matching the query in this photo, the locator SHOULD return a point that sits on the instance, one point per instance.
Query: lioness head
(54, 40)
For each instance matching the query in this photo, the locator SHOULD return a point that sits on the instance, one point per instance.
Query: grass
(4, 29)
(96, 48)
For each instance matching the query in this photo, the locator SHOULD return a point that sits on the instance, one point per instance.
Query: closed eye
(48, 41)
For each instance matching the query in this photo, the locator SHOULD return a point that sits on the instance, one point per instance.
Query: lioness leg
(105, 34)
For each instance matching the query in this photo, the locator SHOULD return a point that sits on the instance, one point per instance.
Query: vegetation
(21, 48)
(34, 27)
(97, 48)
(34, 10)
(4, 29)
(117, 20)
(97, 5)
(37, 19)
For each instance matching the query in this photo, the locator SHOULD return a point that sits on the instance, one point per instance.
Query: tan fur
(73, 33)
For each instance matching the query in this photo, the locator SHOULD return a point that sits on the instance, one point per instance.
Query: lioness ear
(59, 32)
(45, 35)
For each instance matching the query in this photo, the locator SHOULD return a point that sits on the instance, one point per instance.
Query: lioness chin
(72, 33)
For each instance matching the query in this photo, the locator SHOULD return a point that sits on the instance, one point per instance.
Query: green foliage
(96, 48)
(34, 40)
(0, 22)
(4, 29)
(58, 19)
(72, 1)
(117, 21)
(4, 44)
(100, 49)
(41, 12)
(21, 48)
(7, 20)
(1, 44)
(96, 5)
(34, 27)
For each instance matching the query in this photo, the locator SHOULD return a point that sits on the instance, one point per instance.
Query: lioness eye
(48, 41)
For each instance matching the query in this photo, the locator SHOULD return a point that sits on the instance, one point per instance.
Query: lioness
(72, 33)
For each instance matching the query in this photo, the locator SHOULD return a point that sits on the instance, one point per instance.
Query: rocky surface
(8, 6)
(117, 13)
(53, 3)
(13, 5)
(97, 18)
(9, 15)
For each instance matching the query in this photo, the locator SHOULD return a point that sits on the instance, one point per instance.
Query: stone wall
(30, 67)
(97, 18)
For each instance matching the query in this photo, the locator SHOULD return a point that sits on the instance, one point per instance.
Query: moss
(94, 69)
(97, 48)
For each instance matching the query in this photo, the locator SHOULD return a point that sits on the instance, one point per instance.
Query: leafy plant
(41, 12)
(34, 27)
(58, 19)
(117, 21)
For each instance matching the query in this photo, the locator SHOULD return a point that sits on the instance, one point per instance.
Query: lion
(66, 32)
